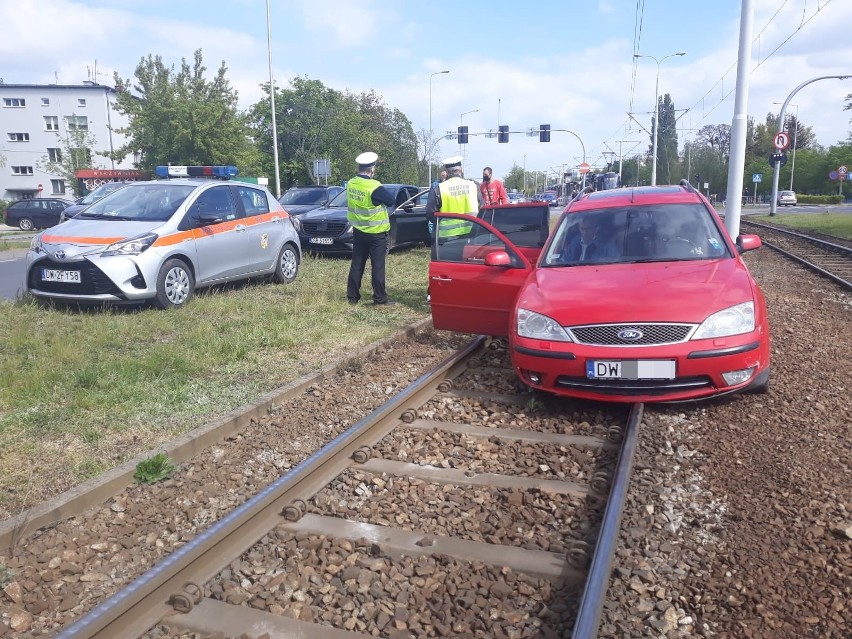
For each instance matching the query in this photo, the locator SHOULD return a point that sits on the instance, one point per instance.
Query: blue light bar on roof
(220, 172)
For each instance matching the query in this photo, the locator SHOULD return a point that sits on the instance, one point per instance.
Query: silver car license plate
(57, 275)
(322, 240)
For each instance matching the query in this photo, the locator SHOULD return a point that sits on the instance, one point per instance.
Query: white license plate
(56, 275)
(631, 369)
(322, 240)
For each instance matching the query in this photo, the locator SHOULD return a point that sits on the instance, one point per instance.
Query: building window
(54, 155)
(45, 102)
(19, 137)
(22, 170)
(57, 187)
(51, 123)
(77, 122)
(81, 101)
(14, 102)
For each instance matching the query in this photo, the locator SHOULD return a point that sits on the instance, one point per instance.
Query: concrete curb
(97, 490)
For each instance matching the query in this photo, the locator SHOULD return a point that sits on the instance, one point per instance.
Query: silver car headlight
(35, 244)
(133, 246)
(538, 326)
(735, 320)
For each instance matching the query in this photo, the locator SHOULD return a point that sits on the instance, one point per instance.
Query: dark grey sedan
(326, 229)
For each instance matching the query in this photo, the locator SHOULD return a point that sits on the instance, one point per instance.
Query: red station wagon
(637, 295)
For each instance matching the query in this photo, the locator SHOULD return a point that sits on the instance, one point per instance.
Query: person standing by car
(367, 212)
(454, 195)
(492, 189)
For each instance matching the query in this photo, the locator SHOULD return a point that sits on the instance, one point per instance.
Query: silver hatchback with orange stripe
(161, 240)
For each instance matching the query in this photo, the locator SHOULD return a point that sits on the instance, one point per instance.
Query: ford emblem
(59, 255)
(630, 334)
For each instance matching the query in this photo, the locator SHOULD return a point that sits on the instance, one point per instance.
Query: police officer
(454, 195)
(367, 212)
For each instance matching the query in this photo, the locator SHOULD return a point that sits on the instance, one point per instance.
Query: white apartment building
(34, 122)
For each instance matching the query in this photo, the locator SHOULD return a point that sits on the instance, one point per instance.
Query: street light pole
(795, 132)
(272, 105)
(461, 123)
(656, 110)
(429, 145)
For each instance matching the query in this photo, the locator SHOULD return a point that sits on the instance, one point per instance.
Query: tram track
(484, 500)
(831, 259)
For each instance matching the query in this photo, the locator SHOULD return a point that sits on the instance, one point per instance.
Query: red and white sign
(584, 167)
(781, 140)
(40, 188)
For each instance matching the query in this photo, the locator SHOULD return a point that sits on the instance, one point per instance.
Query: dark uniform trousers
(374, 246)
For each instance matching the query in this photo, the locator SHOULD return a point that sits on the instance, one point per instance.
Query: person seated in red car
(592, 244)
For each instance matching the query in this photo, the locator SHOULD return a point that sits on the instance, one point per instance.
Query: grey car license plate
(58, 275)
(322, 240)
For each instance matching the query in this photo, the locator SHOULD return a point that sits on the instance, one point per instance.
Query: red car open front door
(474, 276)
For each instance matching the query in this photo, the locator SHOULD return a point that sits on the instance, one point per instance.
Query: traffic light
(544, 133)
(462, 135)
(503, 133)
(697, 178)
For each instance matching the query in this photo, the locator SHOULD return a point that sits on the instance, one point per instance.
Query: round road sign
(781, 140)
(843, 170)
(40, 187)
(584, 167)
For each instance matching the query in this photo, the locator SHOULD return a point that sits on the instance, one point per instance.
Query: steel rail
(830, 246)
(145, 601)
(839, 280)
(597, 582)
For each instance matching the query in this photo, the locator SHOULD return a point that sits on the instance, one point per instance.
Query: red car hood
(649, 292)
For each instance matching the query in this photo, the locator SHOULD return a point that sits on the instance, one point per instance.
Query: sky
(559, 62)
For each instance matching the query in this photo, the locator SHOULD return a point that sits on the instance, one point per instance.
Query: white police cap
(455, 160)
(367, 159)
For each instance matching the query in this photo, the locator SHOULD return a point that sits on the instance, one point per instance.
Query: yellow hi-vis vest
(457, 196)
(361, 212)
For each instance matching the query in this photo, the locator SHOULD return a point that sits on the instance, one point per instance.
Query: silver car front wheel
(288, 265)
(175, 284)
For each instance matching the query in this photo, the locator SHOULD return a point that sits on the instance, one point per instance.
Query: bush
(3, 205)
(819, 199)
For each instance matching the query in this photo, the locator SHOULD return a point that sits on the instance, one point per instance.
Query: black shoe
(385, 303)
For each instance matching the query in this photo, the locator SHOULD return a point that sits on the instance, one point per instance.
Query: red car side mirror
(498, 258)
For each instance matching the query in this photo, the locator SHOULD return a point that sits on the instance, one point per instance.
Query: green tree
(667, 147)
(181, 118)
(75, 153)
(317, 122)
(515, 179)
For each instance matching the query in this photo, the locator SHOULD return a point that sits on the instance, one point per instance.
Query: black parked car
(301, 199)
(36, 213)
(326, 229)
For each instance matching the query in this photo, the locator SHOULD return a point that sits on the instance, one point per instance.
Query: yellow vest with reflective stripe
(361, 212)
(457, 196)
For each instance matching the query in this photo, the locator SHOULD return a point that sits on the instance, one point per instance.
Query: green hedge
(3, 205)
(819, 199)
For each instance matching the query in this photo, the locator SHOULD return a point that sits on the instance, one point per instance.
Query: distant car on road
(547, 196)
(301, 199)
(36, 213)
(104, 189)
(516, 198)
(787, 198)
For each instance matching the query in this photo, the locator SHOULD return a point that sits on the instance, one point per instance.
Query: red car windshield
(639, 233)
